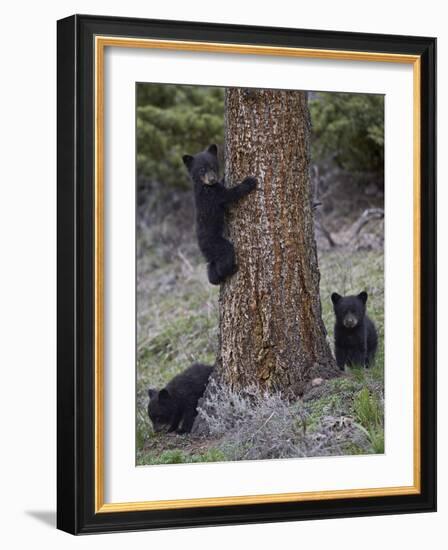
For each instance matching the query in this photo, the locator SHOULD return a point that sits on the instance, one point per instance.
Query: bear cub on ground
(211, 200)
(177, 402)
(355, 335)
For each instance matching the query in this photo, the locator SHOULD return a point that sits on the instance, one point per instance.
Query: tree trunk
(271, 329)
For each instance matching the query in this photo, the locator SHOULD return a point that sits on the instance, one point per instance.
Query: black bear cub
(355, 335)
(178, 400)
(211, 199)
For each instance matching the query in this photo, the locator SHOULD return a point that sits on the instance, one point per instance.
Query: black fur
(211, 199)
(177, 402)
(355, 335)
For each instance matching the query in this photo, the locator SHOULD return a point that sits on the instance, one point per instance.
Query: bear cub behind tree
(355, 335)
(211, 200)
(177, 402)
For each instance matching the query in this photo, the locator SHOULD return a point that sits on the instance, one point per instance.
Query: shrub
(251, 425)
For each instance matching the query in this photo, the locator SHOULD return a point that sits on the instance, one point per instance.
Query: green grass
(177, 322)
(178, 456)
(369, 412)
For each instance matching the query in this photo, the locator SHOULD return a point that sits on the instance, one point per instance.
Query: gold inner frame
(101, 42)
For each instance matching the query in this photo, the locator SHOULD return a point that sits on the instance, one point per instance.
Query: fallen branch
(367, 216)
(321, 227)
(185, 261)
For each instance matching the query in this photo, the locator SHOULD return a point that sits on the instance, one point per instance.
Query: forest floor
(177, 322)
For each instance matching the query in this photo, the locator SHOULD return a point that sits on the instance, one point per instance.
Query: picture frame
(82, 42)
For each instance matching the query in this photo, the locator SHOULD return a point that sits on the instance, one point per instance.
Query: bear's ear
(213, 149)
(335, 297)
(188, 160)
(152, 393)
(363, 297)
(164, 394)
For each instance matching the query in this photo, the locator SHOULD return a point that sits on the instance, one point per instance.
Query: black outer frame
(75, 294)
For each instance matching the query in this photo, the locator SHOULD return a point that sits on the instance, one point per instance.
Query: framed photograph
(246, 274)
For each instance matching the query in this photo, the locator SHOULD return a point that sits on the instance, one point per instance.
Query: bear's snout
(350, 320)
(210, 178)
(159, 427)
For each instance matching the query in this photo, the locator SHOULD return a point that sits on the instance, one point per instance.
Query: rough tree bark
(271, 329)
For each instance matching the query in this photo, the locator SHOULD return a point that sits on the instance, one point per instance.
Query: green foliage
(176, 119)
(173, 120)
(349, 128)
(370, 414)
